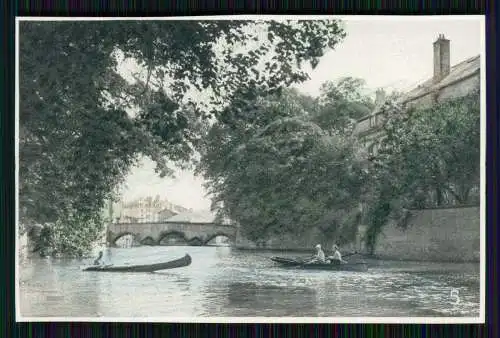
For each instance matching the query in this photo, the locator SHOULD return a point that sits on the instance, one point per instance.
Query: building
(165, 214)
(446, 83)
(147, 209)
(199, 216)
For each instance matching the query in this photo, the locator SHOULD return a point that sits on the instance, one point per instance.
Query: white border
(374, 320)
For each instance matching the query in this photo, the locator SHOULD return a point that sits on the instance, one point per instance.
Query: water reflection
(241, 298)
(222, 282)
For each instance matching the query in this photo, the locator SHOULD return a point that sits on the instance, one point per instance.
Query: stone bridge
(153, 233)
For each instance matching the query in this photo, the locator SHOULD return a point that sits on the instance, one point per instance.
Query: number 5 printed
(455, 295)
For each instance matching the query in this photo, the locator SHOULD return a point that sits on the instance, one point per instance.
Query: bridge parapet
(155, 232)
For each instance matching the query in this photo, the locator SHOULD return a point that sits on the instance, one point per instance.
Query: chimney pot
(441, 58)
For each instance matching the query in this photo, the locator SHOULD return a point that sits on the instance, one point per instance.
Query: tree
(436, 150)
(282, 173)
(239, 122)
(342, 103)
(428, 157)
(83, 125)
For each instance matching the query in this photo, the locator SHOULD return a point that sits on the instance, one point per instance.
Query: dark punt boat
(178, 263)
(300, 264)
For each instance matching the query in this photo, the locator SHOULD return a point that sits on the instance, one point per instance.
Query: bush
(75, 236)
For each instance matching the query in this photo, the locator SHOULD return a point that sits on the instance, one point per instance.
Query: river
(224, 282)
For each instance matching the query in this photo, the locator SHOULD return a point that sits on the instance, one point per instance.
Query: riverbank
(362, 254)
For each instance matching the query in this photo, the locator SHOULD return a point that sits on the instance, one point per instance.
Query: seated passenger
(336, 258)
(319, 257)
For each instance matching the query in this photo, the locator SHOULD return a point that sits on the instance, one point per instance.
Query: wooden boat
(301, 264)
(178, 263)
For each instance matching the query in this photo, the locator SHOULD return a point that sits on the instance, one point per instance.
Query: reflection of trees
(254, 299)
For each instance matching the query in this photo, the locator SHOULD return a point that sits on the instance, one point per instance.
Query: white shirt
(320, 255)
(337, 255)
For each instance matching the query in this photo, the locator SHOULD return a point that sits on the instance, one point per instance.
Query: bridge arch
(121, 235)
(172, 234)
(217, 234)
(196, 241)
(148, 240)
(191, 233)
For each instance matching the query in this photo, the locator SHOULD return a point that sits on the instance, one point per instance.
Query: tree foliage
(278, 172)
(437, 149)
(342, 103)
(428, 158)
(83, 125)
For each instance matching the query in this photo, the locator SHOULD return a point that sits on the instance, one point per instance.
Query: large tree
(277, 172)
(427, 158)
(83, 125)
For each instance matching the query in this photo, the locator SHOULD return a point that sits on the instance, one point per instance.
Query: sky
(390, 54)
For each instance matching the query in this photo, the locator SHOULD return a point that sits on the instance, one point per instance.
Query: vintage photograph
(296, 168)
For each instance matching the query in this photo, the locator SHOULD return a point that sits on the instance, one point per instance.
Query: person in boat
(319, 257)
(336, 257)
(98, 260)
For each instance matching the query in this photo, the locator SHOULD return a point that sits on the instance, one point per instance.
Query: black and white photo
(250, 168)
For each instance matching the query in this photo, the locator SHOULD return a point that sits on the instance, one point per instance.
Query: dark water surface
(224, 282)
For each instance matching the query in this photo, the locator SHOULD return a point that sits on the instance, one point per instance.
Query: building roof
(167, 210)
(457, 73)
(198, 217)
(194, 217)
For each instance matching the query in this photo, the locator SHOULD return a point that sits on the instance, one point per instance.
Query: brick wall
(434, 234)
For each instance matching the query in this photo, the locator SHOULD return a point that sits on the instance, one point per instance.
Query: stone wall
(451, 234)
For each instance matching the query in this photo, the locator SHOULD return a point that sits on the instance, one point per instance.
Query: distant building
(446, 83)
(165, 214)
(191, 216)
(147, 209)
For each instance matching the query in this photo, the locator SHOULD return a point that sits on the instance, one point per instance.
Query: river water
(225, 282)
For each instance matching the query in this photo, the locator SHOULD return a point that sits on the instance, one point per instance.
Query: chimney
(379, 97)
(441, 58)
